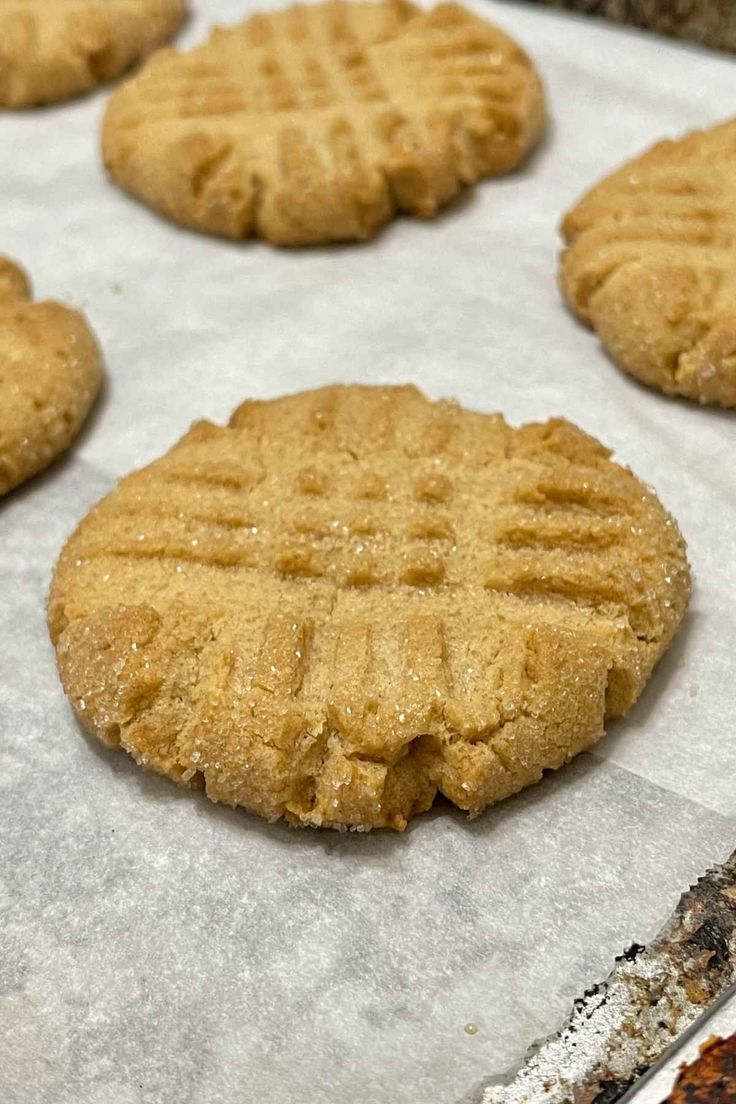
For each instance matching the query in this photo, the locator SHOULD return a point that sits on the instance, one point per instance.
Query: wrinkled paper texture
(156, 949)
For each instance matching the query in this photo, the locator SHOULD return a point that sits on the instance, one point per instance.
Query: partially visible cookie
(322, 122)
(53, 49)
(49, 376)
(711, 1078)
(650, 264)
(350, 599)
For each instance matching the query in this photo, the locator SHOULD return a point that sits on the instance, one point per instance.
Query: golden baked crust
(49, 377)
(53, 49)
(711, 1079)
(320, 123)
(651, 265)
(350, 598)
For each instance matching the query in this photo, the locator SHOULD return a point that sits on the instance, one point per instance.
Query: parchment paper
(155, 949)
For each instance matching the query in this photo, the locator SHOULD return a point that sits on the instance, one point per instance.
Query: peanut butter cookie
(49, 377)
(650, 264)
(711, 1078)
(349, 599)
(53, 49)
(320, 123)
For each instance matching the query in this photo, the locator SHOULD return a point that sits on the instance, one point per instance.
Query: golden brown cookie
(650, 264)
(320, 123)
(53, 49)
(711, 1078)
(349, 599)
(49, 377)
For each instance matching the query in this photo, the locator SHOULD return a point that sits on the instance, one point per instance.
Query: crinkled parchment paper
(156, 949)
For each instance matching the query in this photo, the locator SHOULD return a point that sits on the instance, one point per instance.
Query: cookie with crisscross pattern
(53, 49)
(350, 599)
(320, 123)
(650, 264)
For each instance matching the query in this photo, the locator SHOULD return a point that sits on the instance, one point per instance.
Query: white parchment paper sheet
(155, 949)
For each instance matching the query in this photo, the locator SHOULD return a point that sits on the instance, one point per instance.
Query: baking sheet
(657, 1086)
(156, 949)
